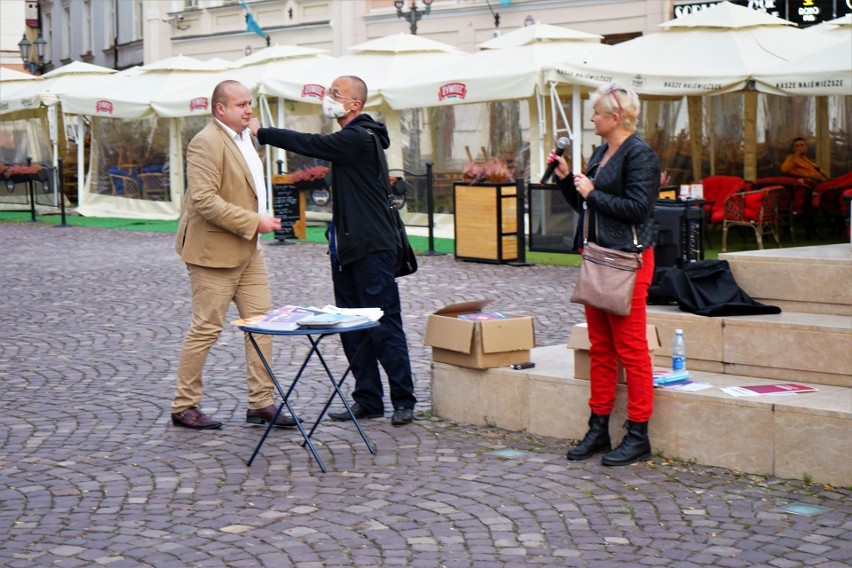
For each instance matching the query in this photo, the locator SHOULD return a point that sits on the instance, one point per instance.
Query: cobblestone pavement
(93, 473)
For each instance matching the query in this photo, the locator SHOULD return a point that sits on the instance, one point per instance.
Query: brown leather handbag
(607, 276)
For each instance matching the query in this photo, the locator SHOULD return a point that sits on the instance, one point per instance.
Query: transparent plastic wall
(779, 119)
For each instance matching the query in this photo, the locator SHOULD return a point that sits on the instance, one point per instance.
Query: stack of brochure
(662, 378)
(289, 318)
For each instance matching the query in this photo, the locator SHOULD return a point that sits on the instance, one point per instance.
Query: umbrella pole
(750, 136)
(693, 106)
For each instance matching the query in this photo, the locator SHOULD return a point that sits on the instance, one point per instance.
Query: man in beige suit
(224, 212)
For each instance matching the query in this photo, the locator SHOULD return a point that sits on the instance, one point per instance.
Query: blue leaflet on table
(283, 318)
(326, 320)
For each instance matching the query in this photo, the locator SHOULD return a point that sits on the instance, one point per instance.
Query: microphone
(561, 144)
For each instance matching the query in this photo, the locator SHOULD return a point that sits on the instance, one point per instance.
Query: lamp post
(33, 65)
(414, 14)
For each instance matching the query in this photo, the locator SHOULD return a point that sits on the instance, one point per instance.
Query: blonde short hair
(617, 99)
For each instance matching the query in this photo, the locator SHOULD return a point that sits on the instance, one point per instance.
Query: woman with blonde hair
(616, 198)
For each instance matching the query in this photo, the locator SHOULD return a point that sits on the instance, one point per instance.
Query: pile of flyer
(289, 318)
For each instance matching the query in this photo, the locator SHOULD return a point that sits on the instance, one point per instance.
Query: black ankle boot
(596, 439)
(634, 446)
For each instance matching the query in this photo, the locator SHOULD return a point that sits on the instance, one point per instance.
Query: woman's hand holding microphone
(582, 183)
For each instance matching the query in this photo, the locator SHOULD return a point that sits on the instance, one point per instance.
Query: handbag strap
(586, 233)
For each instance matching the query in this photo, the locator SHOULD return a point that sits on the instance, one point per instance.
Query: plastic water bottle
(678, 351)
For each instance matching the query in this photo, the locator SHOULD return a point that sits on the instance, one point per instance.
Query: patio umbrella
(47, 90)
(274, 61)
(129, 95)
(11, 82)
(824, 72)
(837, 26)
(711, 51)
(379, 62)
(509, 67)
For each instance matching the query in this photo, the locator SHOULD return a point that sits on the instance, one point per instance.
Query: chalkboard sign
(285, 205)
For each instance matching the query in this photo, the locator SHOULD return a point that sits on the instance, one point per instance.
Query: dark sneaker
(359, 412)
(402, 416)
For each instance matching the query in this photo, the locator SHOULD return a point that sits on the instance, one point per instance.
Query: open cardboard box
(579, 342)
(478, 344)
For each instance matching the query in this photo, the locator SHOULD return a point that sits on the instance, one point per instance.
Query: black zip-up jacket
(360, 207)
(626, 190)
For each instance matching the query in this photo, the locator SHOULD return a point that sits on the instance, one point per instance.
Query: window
(139, 20)
(86, 46)
(109, 26)
(66, 32)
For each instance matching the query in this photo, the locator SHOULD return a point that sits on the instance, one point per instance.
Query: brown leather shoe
(194, 418)
(264, 416)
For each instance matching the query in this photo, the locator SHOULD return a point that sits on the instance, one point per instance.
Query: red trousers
(623, 338)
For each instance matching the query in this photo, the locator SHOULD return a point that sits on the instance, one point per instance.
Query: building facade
(123, 33)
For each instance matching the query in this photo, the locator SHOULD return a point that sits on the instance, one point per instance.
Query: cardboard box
(478, 344)
(579, 342)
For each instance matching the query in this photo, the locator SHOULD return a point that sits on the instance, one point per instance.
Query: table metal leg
(286, 401)
(338, 392)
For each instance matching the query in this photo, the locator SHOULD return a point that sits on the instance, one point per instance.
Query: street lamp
(33, 66)
(414, 14)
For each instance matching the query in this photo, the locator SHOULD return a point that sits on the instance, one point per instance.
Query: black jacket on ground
(708, 288)
(626, 190)
(360, 208)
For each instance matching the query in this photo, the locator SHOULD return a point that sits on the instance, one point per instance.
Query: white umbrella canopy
(130, 95)
(78, 68)
(825, 72)
(9, 75)
(712, 51)
(53, 84)
(380, 63)
(273, 62)
(12, 82)
(537, 33)
(837, 26)
(509, 67)
(403, 43)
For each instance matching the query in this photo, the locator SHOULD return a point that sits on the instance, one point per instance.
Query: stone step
(788, 346)
(789, 436)
(816, 279)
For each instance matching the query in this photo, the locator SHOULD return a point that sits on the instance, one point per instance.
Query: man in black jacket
(362, 244)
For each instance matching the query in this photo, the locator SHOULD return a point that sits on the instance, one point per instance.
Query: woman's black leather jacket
(626, 190)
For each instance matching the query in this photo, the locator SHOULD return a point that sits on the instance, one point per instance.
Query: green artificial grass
(737, 240)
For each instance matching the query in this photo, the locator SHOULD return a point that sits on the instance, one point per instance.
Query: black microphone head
(561, 144)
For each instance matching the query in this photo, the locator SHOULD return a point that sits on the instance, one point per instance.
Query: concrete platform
(815, 279)
(789, 346)
(790, 436)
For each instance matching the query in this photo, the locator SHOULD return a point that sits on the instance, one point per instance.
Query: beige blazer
(219, 218)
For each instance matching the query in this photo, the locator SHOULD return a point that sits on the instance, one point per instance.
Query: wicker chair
(125, 186)
(756, 209)
(155, 186)
(794, 202)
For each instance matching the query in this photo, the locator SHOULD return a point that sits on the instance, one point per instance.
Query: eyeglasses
(336, 95)
(612, 91)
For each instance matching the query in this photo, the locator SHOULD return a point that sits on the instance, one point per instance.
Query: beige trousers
(213, 289)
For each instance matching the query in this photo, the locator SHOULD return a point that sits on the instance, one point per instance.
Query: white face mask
(332, 109)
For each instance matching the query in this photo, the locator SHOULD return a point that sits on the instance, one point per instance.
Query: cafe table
(314, 337)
